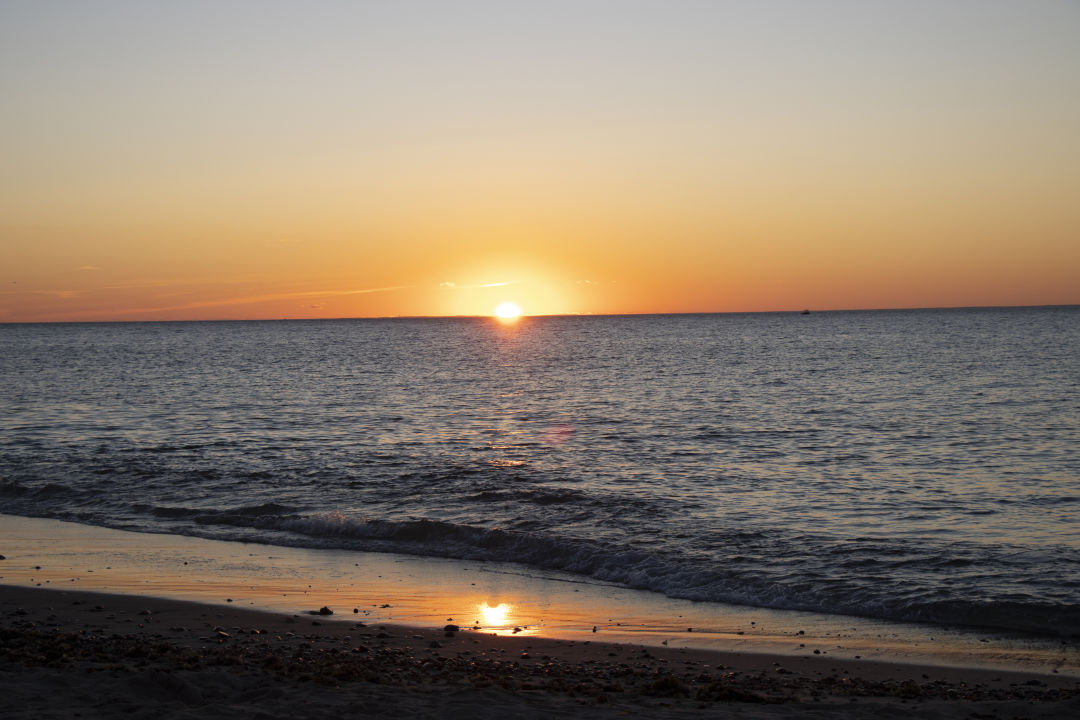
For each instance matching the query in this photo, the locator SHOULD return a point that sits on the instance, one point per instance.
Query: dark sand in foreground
(83, 654)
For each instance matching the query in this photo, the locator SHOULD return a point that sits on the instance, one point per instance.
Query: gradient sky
(198, 160)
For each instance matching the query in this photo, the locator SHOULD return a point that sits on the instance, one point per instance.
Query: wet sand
(74, 653)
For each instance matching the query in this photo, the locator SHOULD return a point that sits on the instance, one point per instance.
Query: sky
(219, 160)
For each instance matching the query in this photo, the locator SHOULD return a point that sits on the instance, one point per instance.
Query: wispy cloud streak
(251, 299)
(220, 302)
(455, 286)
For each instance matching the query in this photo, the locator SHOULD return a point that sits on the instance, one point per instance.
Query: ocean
(910, 465)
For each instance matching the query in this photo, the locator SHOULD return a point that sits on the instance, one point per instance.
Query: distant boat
(805, 312)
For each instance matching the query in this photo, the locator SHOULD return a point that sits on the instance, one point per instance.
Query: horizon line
(549, 315)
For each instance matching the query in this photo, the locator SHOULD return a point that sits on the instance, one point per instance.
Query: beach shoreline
(161, 625)
(490, 597)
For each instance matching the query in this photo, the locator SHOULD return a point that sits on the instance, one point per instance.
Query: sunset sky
(201, 160)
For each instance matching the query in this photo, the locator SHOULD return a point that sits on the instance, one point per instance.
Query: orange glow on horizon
(707, 160)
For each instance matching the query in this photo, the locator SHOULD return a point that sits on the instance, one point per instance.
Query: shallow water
(908, 465)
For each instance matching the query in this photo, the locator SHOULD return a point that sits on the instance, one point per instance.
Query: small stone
(355, 610)
(435, 644)
(325, 611)
(451, 628)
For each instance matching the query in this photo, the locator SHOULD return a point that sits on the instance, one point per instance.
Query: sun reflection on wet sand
(494, 616)
(502, 619)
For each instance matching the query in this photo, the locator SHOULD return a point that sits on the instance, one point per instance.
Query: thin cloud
(62, 294)
(359, 292)
(271, 298)
(226, 302)
(88, 267)
(184, 282)
(454, 286)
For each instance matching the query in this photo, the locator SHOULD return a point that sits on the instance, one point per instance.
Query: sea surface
(908, 465)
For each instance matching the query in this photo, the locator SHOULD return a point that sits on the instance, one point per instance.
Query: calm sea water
(915, 465)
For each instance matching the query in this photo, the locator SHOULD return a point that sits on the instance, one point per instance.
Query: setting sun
(508, 311)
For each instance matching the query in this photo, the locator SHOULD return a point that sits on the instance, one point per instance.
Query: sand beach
(71, 653)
